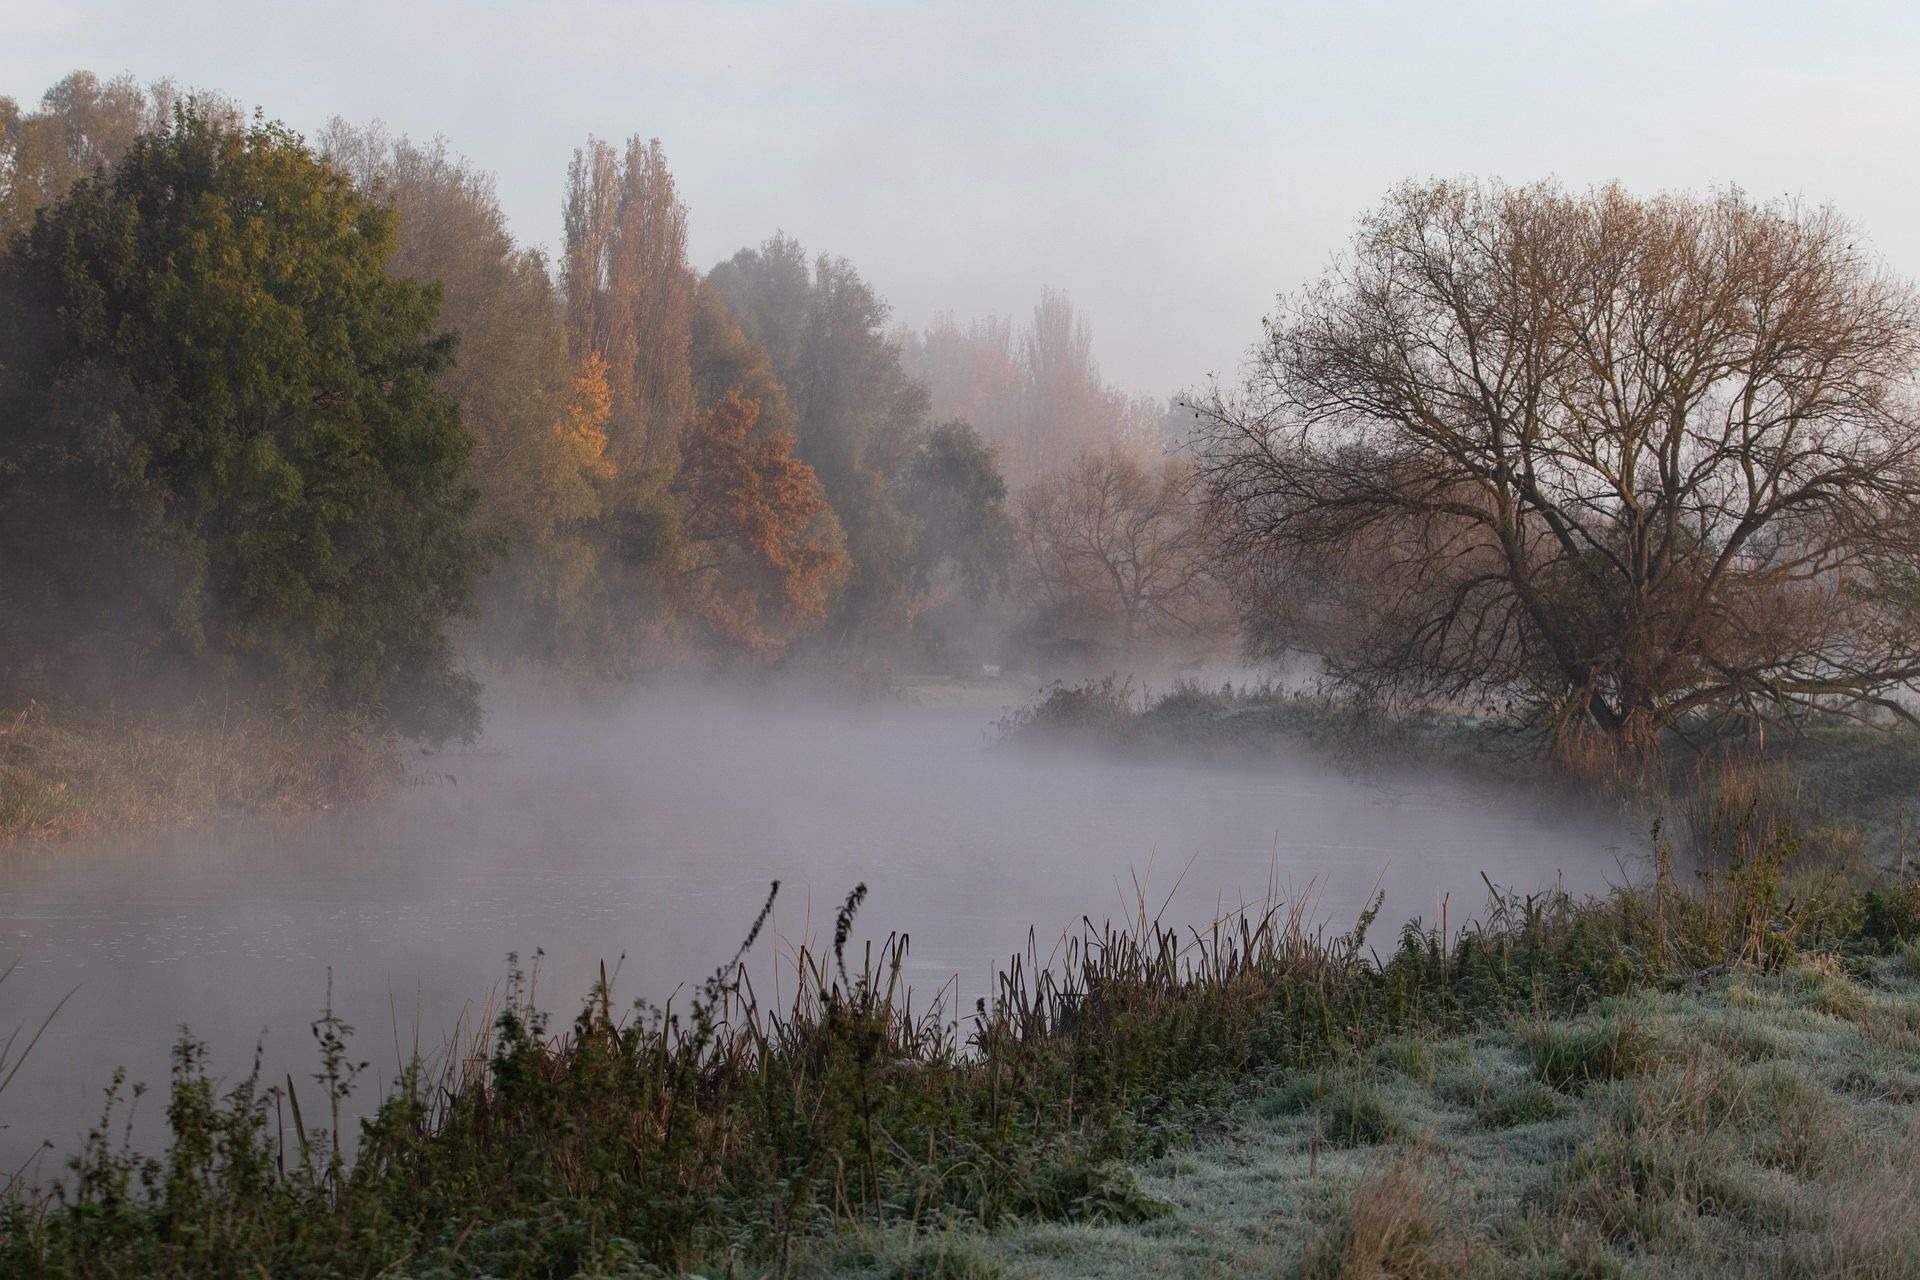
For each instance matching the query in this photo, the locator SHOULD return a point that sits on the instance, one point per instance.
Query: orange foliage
(763, 547)
(589, 405)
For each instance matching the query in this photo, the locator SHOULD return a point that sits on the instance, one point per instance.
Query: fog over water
(649, 828)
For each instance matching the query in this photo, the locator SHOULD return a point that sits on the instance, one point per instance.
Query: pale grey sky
(1172, 165)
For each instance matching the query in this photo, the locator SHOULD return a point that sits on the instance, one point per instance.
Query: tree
(1035, 395)
(538, 420)
(1068, 408)
(953, 491)
(84, 125)
(1114, 543)
(769, 293)
(858, 411)
(725, 359)
(761, 544)
(1620, 462)
(629, 294)
(222, 443)
(975, 375)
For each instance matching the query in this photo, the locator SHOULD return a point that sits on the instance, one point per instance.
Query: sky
(1173, 166)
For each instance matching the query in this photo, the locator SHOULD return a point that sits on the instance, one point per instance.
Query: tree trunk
(1638, 736)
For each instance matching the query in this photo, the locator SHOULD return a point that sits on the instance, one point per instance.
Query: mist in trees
(307, 422)
(537, 419)
(855, 408)
(1034, 391)
(461, 452)
(1111, 546)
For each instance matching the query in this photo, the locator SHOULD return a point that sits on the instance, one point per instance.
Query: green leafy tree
(726, 360)
(223, 443)
(954, 490)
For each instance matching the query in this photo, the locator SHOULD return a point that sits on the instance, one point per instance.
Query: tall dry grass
(70, 775)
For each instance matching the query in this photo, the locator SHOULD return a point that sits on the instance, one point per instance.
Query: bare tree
(1618, 463)
(1110, 539)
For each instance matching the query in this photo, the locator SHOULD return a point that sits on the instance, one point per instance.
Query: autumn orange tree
(761, 549)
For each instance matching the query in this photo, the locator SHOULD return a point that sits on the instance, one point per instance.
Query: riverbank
(1693, 1080)
(1752, 1124)
(67, 776)
(1848, 790)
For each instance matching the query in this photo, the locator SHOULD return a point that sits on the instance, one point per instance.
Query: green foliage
(954, 490)
(1891, 914)
(724, 359)
(1518, 1102)
(224, 444)
(1356, 1113)
(537, 450)
(1086, 1191)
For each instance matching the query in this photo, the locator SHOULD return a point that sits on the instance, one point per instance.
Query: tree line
(302, 417)
(305, 417)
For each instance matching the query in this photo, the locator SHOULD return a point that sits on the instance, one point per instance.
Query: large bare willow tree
(1615, 464)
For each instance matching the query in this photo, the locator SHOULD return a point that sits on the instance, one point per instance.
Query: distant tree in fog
(1068, 408)
(974, 374)
(1618, 461)
(1034, 393)
(224, 449)
(761, 546)
(1149, 426)
(953, 490)
(1118, 544)
(725, 359)
(84, 124)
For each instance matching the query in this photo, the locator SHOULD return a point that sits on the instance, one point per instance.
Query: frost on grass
(1756, 1126)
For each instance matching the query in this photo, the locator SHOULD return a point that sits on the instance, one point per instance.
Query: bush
(1089, 708)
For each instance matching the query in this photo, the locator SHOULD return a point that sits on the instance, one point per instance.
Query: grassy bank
(67, 775)
(1752, 1124)
(1667, 1076)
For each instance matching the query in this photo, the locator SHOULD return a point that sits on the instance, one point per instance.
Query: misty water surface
(650, 829)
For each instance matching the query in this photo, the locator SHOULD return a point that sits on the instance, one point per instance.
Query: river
(649, 828)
